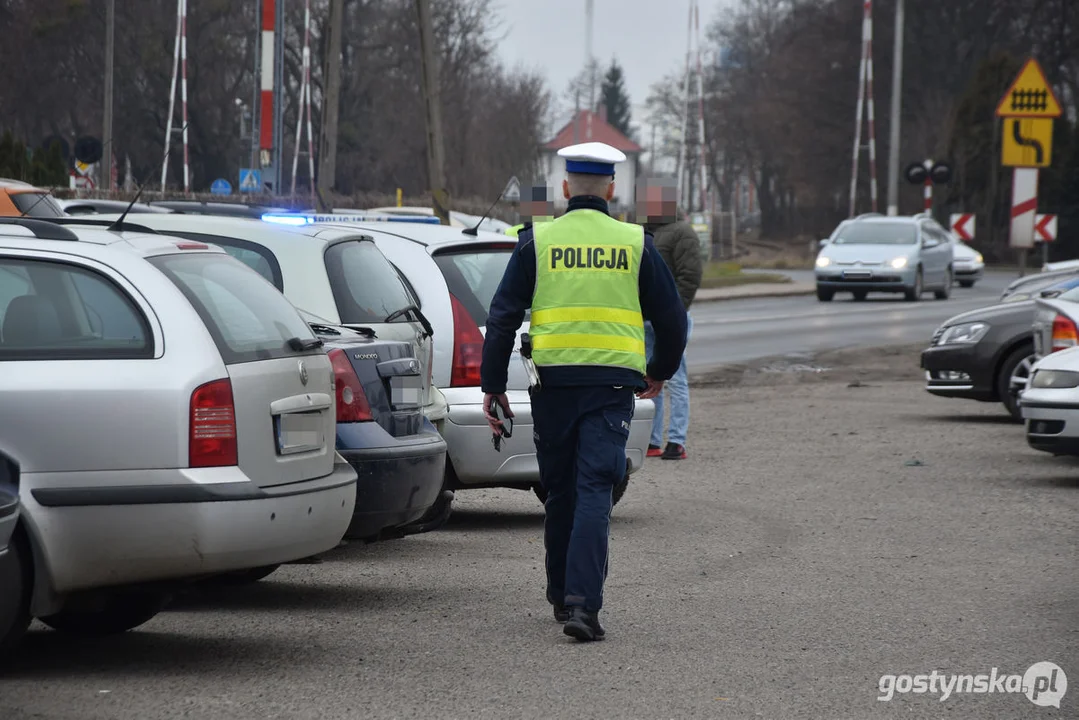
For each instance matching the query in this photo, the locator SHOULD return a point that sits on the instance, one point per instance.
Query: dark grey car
(984, 355)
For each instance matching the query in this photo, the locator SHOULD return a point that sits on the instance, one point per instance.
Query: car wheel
(1013, 378)
(860, 295)
(244, 577)
(121, 612)
(435, 518)
(15, 584)
(945, 291)
(616, 494)
(966, 283)
(914, 293)
(825, 295)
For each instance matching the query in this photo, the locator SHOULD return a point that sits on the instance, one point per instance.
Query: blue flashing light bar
(297, 219)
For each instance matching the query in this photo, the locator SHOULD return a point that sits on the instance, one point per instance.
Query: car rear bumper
(1050, 427)
(398, 481)
(958, 371)
(109, 530)
(474, 459)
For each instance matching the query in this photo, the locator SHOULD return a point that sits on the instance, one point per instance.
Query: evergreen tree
(615, 99)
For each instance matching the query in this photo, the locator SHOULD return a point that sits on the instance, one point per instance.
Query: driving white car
(455, 276)
(968, 263)
(172, 416)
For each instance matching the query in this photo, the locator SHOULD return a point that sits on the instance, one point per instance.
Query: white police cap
(593, 158)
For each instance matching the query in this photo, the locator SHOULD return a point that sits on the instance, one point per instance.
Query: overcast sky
(648, 37)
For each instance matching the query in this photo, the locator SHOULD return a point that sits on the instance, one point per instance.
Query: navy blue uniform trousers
(580, 435)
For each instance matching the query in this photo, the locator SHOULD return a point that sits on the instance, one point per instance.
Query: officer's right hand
(653, 389)
(492, 421)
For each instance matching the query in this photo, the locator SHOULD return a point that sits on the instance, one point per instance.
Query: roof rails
(303, 218)
(42, 229)
(90, 220)
(869, 214)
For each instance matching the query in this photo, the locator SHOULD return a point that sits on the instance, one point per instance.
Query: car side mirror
(824, 242)
(930, 243)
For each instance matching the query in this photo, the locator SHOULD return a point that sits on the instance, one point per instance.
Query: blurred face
(656, 201)
(539, 204)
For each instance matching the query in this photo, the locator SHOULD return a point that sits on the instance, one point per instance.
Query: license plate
(298, 432)
(857, 274)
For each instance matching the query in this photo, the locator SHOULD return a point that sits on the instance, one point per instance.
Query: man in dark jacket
(679, 246)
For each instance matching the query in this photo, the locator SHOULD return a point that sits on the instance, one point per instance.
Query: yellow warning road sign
(1030, 95)
(1027, 142)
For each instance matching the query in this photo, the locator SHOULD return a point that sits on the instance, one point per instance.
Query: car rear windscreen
(246, 315)
(366, 287)
(473, 276)
(34, 204)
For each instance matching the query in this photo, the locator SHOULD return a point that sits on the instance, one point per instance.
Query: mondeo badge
(303, 373)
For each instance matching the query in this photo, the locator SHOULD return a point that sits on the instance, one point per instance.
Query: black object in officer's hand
(526, 345)
(507, 426)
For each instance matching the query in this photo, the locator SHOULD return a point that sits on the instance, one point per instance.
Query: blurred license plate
(298, 432)
(406, 390)
(858, 274)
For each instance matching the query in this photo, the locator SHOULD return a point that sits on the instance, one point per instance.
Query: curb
(761, 294)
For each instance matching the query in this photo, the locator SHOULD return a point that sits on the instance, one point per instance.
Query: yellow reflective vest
(586, 306)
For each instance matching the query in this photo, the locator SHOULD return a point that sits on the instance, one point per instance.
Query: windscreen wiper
(300, 345)
(427, 329)
(323, 329)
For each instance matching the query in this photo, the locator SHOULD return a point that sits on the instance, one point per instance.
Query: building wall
(625, 181)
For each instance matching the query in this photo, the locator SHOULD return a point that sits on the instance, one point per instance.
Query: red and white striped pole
(863, 70)
(927, 193)
(172, 92)
(266, 108)
(868, 32)
(183, 92)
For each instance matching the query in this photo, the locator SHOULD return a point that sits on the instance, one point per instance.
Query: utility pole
(106, 131)
(897, 102)
(327, 161)
(435, 155)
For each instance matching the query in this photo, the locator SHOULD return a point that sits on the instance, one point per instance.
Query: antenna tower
(305, 106)
(179, 60)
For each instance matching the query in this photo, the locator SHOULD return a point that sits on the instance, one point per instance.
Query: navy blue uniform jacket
(660, 304)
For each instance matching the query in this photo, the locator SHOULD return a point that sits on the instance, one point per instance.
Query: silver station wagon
(172, 416)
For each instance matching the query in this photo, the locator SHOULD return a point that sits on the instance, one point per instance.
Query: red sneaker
(655, 451)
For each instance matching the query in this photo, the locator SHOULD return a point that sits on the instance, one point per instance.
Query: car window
(249, 318)
(365, 286)
(1072, 294)
(35, 204)
(257, 257)
(473, 277)
(59, 311)
(876, 233)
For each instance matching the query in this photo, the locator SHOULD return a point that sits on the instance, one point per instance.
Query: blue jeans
(678, 389)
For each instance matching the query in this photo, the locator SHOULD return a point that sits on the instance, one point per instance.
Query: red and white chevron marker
(1024, 207)
(1045, 228)
(266, 114)
(963, 225)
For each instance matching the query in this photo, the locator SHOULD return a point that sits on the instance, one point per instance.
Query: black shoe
(584, 625)
(561, 613)
(674, 451)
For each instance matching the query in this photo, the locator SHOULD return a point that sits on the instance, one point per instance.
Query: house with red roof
(588, 126)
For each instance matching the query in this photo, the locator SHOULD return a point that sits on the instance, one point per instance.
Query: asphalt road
(820, 536)
(736, 331)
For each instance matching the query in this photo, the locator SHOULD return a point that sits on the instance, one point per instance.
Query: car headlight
(898, 263)
(824, 261)
(978, 258)
(967, 333)
(1015, 297)
(1054, 379)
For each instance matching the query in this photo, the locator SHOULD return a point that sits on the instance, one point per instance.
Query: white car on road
(1050, 404)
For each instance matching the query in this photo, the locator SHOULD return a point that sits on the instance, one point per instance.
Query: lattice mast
(179, 69)
(865, 100)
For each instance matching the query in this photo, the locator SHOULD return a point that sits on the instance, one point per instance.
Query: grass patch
(729, 274)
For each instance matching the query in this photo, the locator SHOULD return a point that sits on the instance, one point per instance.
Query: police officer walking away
(591, 282)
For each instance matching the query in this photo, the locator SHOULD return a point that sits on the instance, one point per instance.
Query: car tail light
(352, 405)
(212, 441)
(1065, 334)
(467, 347)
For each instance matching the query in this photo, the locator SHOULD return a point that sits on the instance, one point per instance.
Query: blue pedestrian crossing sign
(221, 186)
(250, 180)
